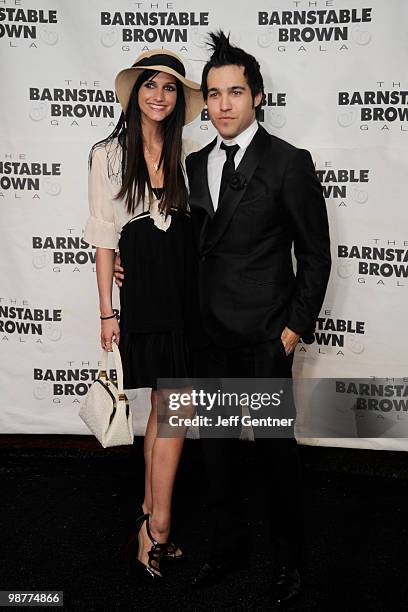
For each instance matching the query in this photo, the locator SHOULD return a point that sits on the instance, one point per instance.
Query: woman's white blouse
(108, 215)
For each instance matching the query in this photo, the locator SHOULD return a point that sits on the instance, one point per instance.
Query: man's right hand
(118, 271)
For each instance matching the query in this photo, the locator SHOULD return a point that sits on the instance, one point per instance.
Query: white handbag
(106, 408)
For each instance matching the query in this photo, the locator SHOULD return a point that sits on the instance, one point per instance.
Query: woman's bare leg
(166, 456)
(149, 439)
(162, 457)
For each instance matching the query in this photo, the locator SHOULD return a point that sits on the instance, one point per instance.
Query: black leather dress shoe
(207, 575)
(286, 586)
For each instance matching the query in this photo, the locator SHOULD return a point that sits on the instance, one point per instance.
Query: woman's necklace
(155, 163)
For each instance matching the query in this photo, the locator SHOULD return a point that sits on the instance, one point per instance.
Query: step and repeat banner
(336, 83)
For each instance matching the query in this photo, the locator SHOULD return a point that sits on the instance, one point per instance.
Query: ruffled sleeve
(100, 230)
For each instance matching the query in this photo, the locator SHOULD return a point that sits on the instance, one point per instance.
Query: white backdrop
(336, 82)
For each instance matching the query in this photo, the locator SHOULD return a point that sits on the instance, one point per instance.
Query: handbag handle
(118, 365)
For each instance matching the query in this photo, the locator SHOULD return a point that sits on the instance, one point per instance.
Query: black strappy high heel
(155, 554)
(170, 553)
(171, 550)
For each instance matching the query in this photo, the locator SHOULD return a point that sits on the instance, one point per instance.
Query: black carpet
(65, 514)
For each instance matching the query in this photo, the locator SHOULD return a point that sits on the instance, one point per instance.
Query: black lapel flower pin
(238, 181)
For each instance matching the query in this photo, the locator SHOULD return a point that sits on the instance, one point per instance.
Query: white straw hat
(160, 60)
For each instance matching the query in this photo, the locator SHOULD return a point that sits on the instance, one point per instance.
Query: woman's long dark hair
(134, 173)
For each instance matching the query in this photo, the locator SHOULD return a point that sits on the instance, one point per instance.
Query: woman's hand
(109, 332)
(104, 271)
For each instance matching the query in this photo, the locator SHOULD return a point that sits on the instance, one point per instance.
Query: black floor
(64, 515)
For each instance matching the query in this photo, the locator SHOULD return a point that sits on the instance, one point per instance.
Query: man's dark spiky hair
(220, 45)
(225, 54)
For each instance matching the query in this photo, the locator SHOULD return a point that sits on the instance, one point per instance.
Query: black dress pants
(276, 458)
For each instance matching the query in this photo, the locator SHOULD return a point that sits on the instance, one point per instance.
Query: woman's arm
(104, 276)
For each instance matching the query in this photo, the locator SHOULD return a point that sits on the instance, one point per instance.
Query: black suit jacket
(248, 290)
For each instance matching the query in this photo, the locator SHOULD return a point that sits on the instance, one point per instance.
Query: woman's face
(157, 97)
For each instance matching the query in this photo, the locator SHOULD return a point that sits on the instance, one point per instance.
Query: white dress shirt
(217, 157)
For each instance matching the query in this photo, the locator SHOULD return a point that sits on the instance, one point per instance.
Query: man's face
(229, 101)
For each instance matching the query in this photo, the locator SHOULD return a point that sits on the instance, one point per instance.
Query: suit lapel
(232, 197)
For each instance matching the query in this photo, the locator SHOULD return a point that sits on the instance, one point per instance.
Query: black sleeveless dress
(155, 299)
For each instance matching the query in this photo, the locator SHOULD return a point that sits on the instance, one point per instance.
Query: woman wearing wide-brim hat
(139, 203)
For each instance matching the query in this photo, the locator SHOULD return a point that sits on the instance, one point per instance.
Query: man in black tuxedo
(253, 196)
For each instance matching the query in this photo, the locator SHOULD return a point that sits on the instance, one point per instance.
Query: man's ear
(257, 99)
